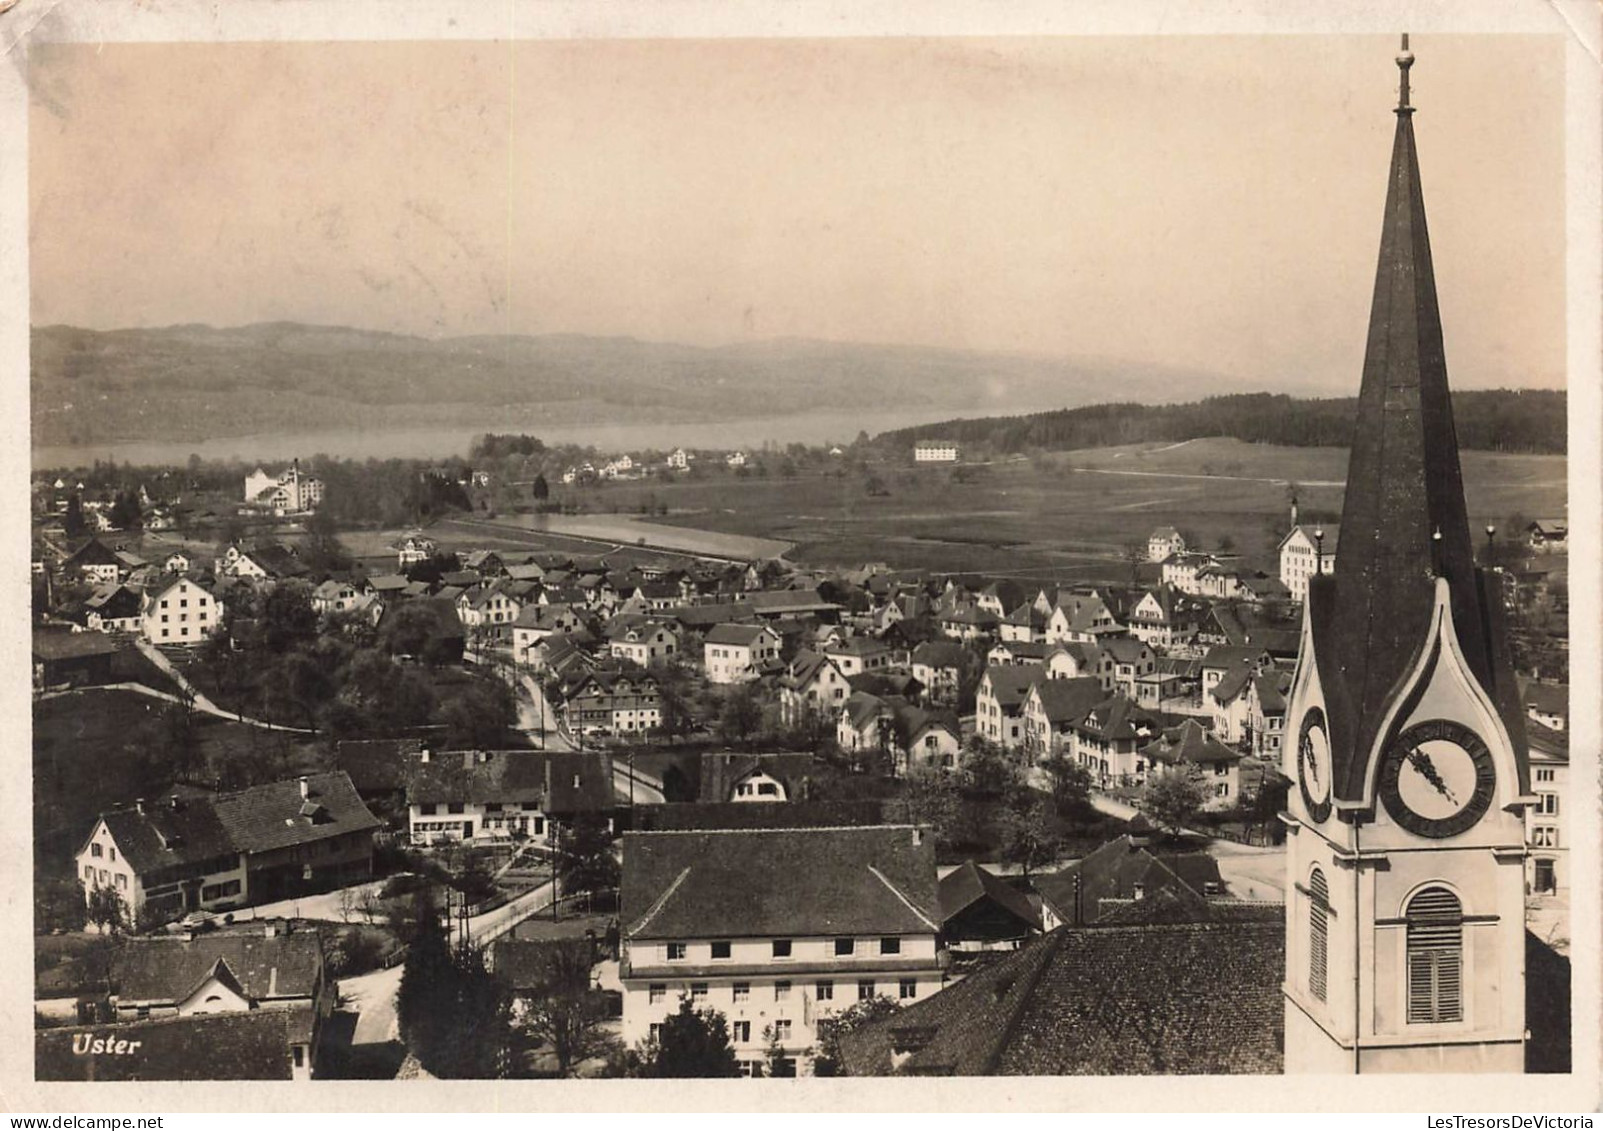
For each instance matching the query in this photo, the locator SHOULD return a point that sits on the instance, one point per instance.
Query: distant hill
(198, 382)
(1503, 420)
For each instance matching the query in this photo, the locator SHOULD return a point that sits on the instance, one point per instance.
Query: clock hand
(1421, 761)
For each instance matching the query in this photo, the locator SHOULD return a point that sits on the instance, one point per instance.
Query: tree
(742, 714)
(479, 715)
(454, 1015)
(1173, 798)
(828, 1062)
(72, 522)
(1071, 786)
(125, 513)
(989, 767)
(691, 1044)
(542, 489)
(107, 910)
(1028, 838)
(562, 1010)
(931, 799)
(287, 619)
(585, 848)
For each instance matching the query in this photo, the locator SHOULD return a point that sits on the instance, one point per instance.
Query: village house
(1081, 618)
(1181, 570)
(1189, 748)
(68, 658)
(858, 920)
(738, 653)
(265, 561)
(982, 911)
(735, 459)
(1163, 616)
(97, 562)
(1052, 707)
(1305, 551)
(288, 492)
(936, 451)
(180, 612)
(1548, 535)
(999, 702)
(333, 597)
(781, 776)
(966, 622)
(1132, 661)
(679, 459)
(1163, 543)
(1026, 624)
(264, 966)
(177, 562)
(231, 850)
(256, 1044)
(938, 665)
(1547, 865)
(1266, 714)
(1227, 674)
(489, 607)
(489, 796)
(857, 654)
(605, 704)
(813, 686)
(535, 623)
(113, 608)
(413, 549)
(640, 641)
(1125, 869)
(1109, 738)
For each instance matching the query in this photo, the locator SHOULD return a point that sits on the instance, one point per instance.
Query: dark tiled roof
(1549, 698)
(1116, 871)
(779, 882)
(544, 778)
(1068, 700)
(744, 635)
(1189, 742)
(939, 654)
(275, 815)
(55, 644)
(962, 888)
(1010, 683)
(163, 836)
(252, 1045)
(1189, 998)
(168, 969)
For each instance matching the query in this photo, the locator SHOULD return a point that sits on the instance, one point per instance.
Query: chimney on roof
(306, 788)
(139, 806)
(918, 836)
(272, 928)
(172, 801)
(423, 755)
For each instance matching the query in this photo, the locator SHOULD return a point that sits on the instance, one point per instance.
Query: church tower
(1405, 910)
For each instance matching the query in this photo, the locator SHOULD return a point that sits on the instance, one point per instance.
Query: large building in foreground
(776, 929)
(1405, 924)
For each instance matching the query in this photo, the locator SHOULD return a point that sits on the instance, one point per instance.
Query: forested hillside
(1503, 420)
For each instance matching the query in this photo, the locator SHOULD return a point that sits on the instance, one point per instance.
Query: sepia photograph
(581, 548)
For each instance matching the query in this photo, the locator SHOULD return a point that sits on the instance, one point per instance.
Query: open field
(1065, 515)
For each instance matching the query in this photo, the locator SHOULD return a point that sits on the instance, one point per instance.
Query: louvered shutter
(1435, 957)
(1318, 934)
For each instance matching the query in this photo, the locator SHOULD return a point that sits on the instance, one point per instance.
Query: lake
(823, 426)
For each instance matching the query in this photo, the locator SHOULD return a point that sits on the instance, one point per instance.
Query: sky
(1207, 203)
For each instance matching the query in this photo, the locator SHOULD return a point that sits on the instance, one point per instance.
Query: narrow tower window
(1435, 957)
(1318, 934)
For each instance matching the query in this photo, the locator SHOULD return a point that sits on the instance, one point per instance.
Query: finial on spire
(1405, 59)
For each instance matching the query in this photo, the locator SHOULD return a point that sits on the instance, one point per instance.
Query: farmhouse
(480, 796)
(936, 451)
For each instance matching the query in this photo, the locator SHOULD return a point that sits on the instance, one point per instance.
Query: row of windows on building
(823, 990)
(781, 948)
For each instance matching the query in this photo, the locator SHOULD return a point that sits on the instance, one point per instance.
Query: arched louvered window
(1435, 957)
(1318, 934)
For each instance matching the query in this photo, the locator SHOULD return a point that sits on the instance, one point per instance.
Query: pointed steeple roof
(1403, 521)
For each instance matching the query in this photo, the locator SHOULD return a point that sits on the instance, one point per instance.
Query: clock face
(1438, 778)
(1313, 765)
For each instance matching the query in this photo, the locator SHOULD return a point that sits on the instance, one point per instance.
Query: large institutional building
(1405, 924)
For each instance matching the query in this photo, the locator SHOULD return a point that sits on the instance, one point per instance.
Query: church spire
(1403, 517)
